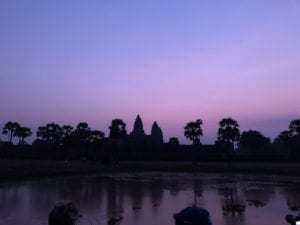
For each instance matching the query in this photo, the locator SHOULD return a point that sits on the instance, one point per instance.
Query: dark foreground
(23, 169)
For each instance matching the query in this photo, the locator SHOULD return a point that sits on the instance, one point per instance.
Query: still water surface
(153, 198)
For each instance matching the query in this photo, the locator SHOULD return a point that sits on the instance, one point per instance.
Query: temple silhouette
(83, 143)
(138, 145)
(138, 134)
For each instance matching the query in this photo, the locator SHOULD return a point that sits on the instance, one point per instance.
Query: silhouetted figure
(192, 216)
(113, 221)
(63, 213)
(293, 220)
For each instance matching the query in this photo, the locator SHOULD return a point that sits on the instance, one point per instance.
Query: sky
(170, 61)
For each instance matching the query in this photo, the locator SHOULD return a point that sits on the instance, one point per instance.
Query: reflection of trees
(114, 200)
(198, 191)
(136, 190)
(86, 193)
(9, 198)
(233, 205)
(292, 195)
(174, 186)
(258, 195)
(156, 192)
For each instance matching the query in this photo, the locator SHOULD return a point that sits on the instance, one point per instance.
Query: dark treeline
(54, 141)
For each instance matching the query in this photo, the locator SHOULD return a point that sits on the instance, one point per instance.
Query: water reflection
(233, 204)
(259, 194)
(292, 194)
(152, 198)
(156, 192)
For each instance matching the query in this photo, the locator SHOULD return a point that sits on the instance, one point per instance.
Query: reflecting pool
(153, 198)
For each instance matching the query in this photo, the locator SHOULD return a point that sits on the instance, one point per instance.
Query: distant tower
(138, 130)
(156, 134)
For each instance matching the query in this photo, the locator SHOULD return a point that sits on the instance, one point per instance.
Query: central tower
(138, 129)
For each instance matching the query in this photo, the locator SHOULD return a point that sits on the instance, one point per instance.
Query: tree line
(229, 137)
(227, 134)
(54, 141)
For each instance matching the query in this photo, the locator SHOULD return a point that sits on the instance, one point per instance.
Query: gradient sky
(171, 61)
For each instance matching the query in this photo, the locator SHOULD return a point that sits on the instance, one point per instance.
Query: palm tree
(193, 131)
(10, 129)
(229, 131)
(228, 134)
(22, 133)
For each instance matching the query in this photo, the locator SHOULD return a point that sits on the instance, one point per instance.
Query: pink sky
(170, 62)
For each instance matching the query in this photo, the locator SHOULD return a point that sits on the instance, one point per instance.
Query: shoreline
(19, 169)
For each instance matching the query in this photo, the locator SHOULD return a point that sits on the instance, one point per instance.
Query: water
(153, 198)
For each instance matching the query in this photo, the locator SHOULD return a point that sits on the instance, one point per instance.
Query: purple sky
(170, 61)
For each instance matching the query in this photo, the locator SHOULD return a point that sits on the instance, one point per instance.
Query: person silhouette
(293, 220)
(64, 213)
(193, 216)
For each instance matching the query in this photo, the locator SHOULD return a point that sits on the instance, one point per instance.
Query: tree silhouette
(193, 131)
(228, 132)
(288, 141)
(82, 132)
(96, 136)
(283, 137)
(67, 135)
(67, 130)
(51, 133)
(253, 141)
(116, 135)
(10, 129)
(22, 133)
(294, 127)
(117, 129)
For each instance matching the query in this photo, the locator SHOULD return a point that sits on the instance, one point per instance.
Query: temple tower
(156, 134)
(138, 129)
